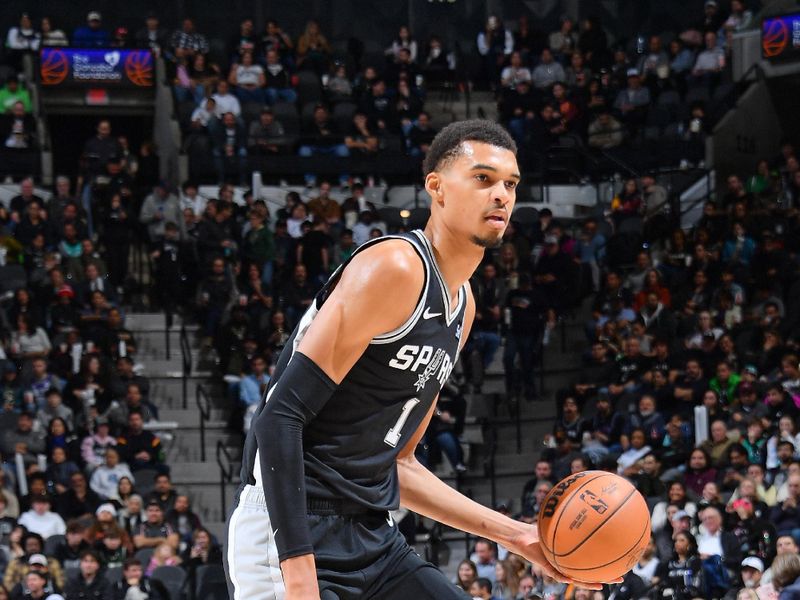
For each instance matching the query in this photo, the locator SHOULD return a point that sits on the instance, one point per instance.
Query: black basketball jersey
(350, 448)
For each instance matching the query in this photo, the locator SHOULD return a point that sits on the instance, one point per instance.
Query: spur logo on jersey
(425, 361)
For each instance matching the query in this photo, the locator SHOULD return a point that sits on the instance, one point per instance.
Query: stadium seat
(525, 215)
(12, 277)
(145, 480)
(309, 87)
(286, 114)
(251, 111)
(71, 573)
(698, 93)
(144, 555)
(402, 196)
(113, 575)
(307, 113)
(173, 579)
(668, 98)
(343, 115)
(210, 579)
(183, 113)
(51, 543)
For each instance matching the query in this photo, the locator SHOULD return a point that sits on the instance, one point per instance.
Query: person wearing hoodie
(106, 477)
(93, 447)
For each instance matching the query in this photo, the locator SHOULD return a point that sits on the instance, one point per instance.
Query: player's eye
(481, 177)
(511, 185)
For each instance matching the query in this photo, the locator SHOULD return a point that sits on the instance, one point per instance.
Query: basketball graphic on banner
(139, 68)
(54, 68)
(774, 38)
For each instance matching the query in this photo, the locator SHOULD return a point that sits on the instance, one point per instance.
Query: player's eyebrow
(483, 167)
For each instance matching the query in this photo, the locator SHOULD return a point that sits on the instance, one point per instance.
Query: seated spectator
(106, 477)
(248, 79)
(548, 71)
(60, 469)
(253, 386)
(41, 520)
(229, 149)
(183, 519)
(68, 552)
(710, 61)
(360, 140)
(635, 449)
(495, 44)
(52, 36)
(23, 440)
(155, 531)
(405, 40)
(89, 582)
(163, 556)
(93, 447)
(18, 129)
(111, 551)
(436, 65)
(141, 449)
(605, 131)
(265, 136)
(339, 88)
(143, 587)
(79, 500)
(163, 493)
(632, 102)
(484, 559)
(683, 571)
(515, 72)
(91, 35)
(421, 135)
(786, 515)
(713, 541)
(313, 49)
(321, 138)
(33, 560)
(186, 42)
(577, 74)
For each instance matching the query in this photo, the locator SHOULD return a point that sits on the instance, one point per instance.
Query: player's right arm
(376, 293)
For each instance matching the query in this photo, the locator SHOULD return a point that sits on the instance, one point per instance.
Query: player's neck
(457, 260)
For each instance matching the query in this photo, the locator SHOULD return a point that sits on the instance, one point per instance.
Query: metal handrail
(186, 358)
(225, 473)
(203, 400)
(168, 320)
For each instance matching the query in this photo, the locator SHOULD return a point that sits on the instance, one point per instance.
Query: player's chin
(490, 239)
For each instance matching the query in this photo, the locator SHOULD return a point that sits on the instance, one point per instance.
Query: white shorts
(254, 571)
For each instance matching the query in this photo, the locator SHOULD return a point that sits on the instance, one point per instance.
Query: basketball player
(331, 450)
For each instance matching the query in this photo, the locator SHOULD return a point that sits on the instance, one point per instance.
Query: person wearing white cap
(752, 569)
(634, 99)
(91, 35)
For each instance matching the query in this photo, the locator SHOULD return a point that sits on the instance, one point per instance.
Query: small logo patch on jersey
(430, 315)
(423, 377)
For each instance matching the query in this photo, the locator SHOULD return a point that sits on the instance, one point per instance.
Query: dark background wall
(457, 21)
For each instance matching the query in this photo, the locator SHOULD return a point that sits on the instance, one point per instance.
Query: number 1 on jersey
(393, 435)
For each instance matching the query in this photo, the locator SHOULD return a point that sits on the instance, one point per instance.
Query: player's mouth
(497, 220)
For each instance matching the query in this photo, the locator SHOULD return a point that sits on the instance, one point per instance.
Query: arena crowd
(680, 318)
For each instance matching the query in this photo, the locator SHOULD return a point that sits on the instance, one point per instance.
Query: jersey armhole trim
(396, 334)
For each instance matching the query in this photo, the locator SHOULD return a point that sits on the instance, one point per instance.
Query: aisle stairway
(201, 480)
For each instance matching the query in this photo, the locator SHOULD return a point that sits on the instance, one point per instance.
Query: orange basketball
(594, 526)
(54, 67)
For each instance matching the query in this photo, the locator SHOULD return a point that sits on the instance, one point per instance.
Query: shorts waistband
(253, 496)
(338, 506)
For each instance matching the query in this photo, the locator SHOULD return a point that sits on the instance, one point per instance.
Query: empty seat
(53, 542)
(286, 114)
(144, 555)
(173, 579)
(113, 575)
(309, 87)
(343, 115)
(145, 481)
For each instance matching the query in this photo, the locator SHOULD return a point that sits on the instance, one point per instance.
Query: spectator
(525, 307)
(94, 447)
(605, 132)
(225, 103)
(152, 35)
(163, 556)
(186, 42)
(163, 493)
(360, 140)
(41, 520)
(158, 209)
(155, 530)
(91, 35)
(632, 102)
(313, 49)
(515, 72)
(275, 38)
(484, 560)
(68, 552)
(322, 139)
(23, 440)
(12, 93)
(495, 43)
(266, 136)
(229, 149)
(683, 571)
(18, 129)
(710, 61)
(564, 41)
(248, 79)
(786, 515)
(51, 36)
(141, 449)
(22, 38)
(404, 40)
(89, 582)
(548, 71)
(133, 577)
(106, 477)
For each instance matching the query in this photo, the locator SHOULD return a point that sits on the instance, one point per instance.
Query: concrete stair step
(191, 418)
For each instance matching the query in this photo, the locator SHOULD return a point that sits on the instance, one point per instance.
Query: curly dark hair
(447, 144)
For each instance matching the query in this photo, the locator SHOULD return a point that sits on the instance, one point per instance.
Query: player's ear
(433, 185)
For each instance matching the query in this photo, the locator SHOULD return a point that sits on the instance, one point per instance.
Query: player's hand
(527, 545)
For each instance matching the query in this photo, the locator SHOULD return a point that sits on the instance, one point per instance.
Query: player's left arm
(427, 495)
